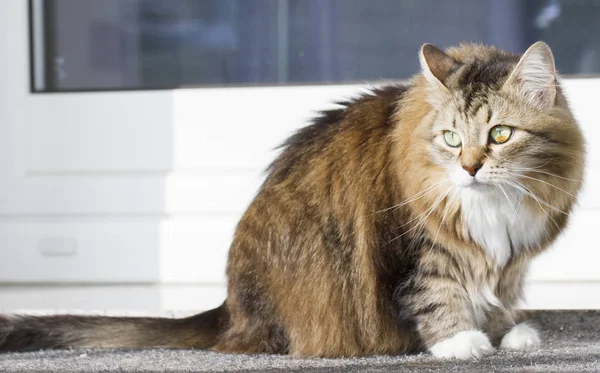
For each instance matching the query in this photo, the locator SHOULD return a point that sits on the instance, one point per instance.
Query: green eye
(501, 134)
(452, 139)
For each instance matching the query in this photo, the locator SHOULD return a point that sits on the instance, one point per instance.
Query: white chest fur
(500, 223)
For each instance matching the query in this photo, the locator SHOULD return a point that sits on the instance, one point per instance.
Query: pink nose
(472, 170)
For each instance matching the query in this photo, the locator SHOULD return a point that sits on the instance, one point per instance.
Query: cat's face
(492, 144)
(497, 123)
(498, 148)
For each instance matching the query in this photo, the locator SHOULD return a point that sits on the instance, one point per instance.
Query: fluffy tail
(26, 333)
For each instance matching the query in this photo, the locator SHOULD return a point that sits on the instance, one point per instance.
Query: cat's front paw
(463, 345)
(521, 337)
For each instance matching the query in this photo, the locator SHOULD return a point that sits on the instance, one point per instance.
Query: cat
(403, 220)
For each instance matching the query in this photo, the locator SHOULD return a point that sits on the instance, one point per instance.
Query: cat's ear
(534, 77)
(436, 65)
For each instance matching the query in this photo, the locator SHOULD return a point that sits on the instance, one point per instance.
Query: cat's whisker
(417, 217)
(545, 163)
(545, 173)
(525, 190)
(448, 204)
(541, 208)
(538, 201)
(429, 211)
(511, 205)
(554, 155)
(552, 158)
(414, 198)
(420, 222)
(541, 181)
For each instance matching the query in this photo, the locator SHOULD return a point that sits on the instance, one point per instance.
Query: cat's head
(499, 119)
(485, 135)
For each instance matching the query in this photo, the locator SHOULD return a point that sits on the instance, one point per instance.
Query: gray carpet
(571, 343)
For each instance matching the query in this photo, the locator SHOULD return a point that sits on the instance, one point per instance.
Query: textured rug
(571, 343)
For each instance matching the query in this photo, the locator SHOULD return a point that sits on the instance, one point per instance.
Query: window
(81, 45)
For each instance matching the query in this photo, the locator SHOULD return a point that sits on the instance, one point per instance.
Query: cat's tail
(26, 333)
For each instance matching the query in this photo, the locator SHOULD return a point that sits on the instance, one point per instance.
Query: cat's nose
(472, 169)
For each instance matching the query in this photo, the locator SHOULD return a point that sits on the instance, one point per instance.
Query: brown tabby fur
(329, 261)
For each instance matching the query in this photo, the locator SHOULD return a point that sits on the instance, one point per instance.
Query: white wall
(128, 200)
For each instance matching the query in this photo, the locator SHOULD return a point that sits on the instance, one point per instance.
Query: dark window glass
(153, 44)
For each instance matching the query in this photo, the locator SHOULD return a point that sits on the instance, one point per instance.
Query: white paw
(463, 345)
(521, 338)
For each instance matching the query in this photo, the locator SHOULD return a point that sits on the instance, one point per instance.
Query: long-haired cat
(403, 220)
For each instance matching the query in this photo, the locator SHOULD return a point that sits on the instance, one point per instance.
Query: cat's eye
(452, 139)
(500, 134)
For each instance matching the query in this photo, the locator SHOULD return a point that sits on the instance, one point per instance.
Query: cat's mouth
(479, 182)
(476, 184)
